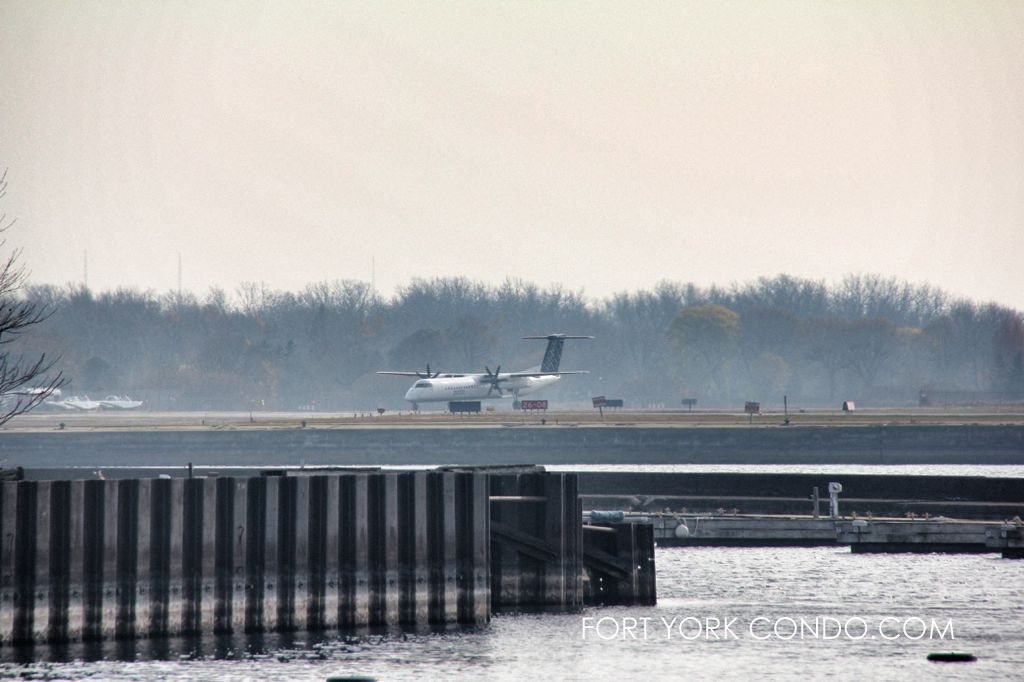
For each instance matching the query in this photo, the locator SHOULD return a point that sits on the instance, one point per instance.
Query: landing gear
(516, 405)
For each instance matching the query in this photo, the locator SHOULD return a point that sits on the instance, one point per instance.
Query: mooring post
(833, 497)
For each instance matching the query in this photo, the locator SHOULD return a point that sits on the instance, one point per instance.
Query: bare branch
(17, 314)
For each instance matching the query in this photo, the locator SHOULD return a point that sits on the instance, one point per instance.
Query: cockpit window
(422, 384)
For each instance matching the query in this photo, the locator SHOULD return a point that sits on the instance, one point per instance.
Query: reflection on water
(226, 647)
(981, 595)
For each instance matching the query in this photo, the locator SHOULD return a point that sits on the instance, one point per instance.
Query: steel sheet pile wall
(90, 560)
(536, 531)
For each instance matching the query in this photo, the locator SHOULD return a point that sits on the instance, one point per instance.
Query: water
(990, 470)
(978, 599)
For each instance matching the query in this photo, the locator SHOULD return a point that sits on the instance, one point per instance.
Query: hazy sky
(603, 146)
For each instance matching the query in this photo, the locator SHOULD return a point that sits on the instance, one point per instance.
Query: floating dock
(876, 535)
(1007, 539)
(904, 535)
(773, 494)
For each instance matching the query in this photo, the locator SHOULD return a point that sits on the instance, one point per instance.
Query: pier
(88, 560)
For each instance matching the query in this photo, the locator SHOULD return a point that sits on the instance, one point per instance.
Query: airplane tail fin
(553, 353)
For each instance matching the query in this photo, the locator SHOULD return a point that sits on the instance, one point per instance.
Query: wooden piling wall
(537, 542)
(94, 560)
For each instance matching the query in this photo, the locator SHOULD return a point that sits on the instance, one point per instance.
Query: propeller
(493, 380)
(428, 375)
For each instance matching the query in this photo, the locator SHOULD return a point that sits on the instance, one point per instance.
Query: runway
(46, 420)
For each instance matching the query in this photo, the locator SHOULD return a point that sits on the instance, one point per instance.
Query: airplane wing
(421, 375)
(541, 374)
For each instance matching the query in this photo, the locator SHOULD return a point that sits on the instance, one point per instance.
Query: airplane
(75, 403)
(31, 392)
(115, 402)
(23, 395)
(111, 402)
(21, 399)
(445, 387)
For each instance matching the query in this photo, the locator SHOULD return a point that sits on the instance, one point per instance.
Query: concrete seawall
(551, 444)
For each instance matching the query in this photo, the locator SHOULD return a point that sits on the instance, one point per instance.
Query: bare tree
(24, 382)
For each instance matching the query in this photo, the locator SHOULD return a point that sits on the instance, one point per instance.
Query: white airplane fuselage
(451, 387)
(442, 389)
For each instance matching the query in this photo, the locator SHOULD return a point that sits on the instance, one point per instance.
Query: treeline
(873, 339)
